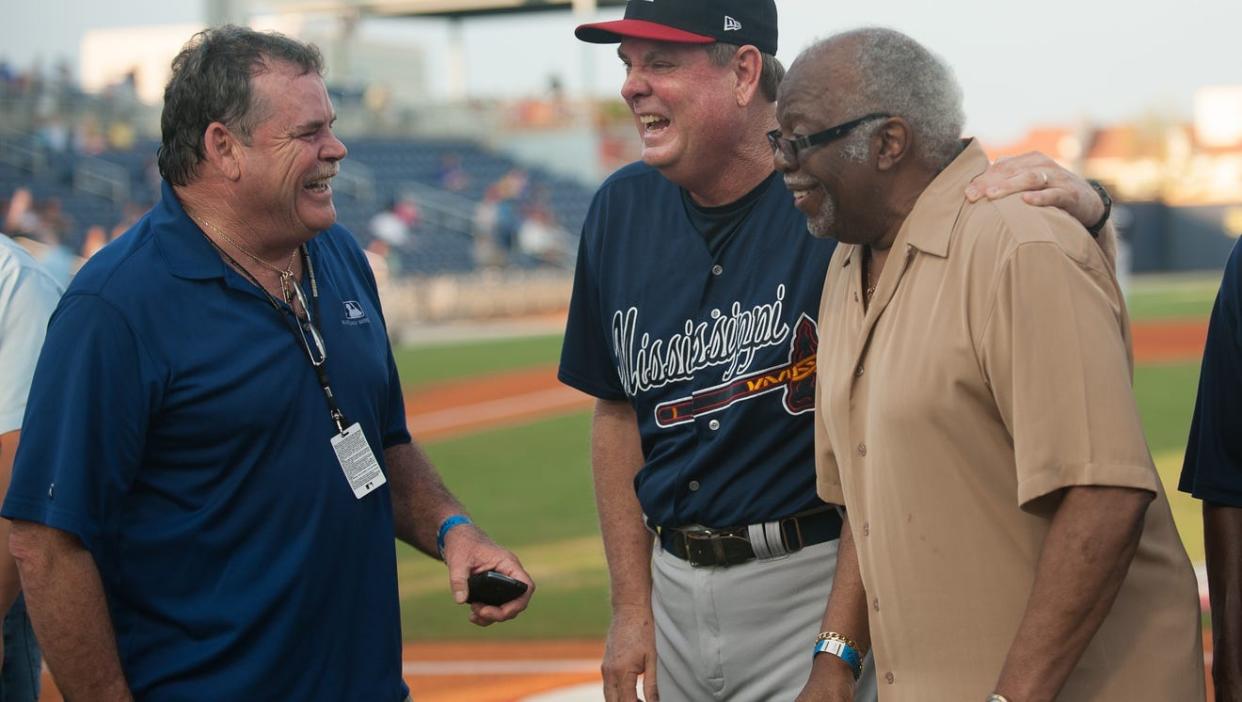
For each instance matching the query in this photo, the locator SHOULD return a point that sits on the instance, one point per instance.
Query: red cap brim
(613, 32)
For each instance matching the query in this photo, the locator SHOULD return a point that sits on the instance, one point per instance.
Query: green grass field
(422, 365)
(530, 486)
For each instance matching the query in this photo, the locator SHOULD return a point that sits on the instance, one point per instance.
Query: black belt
(705, 546)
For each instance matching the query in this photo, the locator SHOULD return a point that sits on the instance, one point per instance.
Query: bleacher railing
(15, 152)
(440, 208)
(99, 177)
(357, 180)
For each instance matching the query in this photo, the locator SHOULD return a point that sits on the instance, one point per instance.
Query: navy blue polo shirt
(1213, 467)
(176, 427)
(716, 352)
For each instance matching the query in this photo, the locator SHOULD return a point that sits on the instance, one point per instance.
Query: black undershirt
(717, 224)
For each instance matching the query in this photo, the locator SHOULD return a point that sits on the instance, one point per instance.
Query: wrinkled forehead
(812, 89)
(633, 49)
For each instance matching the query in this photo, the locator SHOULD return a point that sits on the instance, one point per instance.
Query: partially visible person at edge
(28, 294)
(215, 459)
(693, 321)
(1212, 472)
(1006, 532)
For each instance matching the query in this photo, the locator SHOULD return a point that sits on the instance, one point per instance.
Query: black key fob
(492, 588)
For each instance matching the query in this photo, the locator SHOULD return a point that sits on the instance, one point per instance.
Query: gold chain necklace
(286, 275)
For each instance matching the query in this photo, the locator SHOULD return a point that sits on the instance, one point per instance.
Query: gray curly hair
(899, 76)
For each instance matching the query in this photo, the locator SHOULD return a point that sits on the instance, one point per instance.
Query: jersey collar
(188, 253)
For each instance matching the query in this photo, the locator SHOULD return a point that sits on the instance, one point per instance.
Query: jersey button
(717, 269)
(862, 449)
(694, 485)
(858, 371)
(713, 425)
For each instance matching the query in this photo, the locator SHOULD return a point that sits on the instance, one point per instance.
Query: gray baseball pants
(742, 633)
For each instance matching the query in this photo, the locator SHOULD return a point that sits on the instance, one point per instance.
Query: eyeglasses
(789, 148)
(312, 340)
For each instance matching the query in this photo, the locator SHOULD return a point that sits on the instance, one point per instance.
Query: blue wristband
(446, 526)
(841, 650)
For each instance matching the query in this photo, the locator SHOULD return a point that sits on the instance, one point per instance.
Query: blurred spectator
(498, 218)
(541, 239)
(88, 136)
(53, 135)
(21, 218)
(7, 78)
(486, 252)
(453, 176)
(383, 263)
(96, 239)
(131, 212)
(58, 261)
(394, 225)
(53, 220)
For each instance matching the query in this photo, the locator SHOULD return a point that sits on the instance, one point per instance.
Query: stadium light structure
(456, 11)
(450, 9)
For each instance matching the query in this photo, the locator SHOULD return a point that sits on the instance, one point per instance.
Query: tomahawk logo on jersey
(795, 380)
(732, 341)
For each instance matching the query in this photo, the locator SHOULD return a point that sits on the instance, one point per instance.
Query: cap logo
(731, 25)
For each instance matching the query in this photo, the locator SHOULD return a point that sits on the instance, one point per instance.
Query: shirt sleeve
(827, 474)
(1056, 356)
(1212, 470)
(26, 304)
(94, 392)
(586, 358)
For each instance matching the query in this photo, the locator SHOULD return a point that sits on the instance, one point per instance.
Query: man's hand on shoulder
(467, 550)
(1042, 182)
(630, 652)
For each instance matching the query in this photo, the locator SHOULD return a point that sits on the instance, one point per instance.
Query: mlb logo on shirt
(354, 314)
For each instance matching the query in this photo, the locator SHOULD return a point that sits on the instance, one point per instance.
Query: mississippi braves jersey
(715, 353)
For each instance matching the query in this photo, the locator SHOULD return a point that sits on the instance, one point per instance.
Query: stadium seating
(395, 166)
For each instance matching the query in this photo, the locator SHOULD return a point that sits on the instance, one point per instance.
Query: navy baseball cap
(690, 22)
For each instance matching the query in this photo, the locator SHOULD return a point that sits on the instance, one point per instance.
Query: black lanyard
(302, 329)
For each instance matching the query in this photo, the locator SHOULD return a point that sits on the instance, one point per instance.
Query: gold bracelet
(834, 636)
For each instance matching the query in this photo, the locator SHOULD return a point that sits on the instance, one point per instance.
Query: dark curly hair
(211, 83)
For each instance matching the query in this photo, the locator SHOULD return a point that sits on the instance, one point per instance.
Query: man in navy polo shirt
(693, 321)
(1213, 473)
(215, 459)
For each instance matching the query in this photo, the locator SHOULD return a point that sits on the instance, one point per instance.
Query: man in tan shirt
(1007, 533)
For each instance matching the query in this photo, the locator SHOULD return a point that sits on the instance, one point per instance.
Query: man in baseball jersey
(1007, 533)
(1212, 472)
(693, 321)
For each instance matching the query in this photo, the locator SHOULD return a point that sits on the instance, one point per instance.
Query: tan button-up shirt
(991, 369)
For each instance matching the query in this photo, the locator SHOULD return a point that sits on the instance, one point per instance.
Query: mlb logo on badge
(353, 310)
(731, 25)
